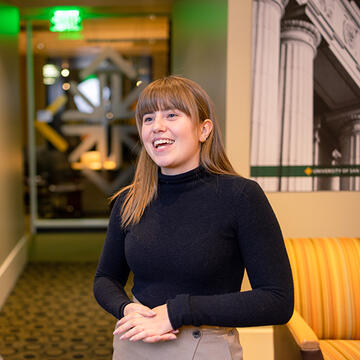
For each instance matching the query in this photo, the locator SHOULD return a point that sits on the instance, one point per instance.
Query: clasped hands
(142, 323)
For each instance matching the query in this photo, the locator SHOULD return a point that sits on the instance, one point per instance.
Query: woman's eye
(147, 119)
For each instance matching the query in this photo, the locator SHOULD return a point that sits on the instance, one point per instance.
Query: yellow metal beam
(47, 131)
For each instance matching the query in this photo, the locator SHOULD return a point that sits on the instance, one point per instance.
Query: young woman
(187, 227)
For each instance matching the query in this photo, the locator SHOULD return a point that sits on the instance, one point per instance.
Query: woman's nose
(159, 124)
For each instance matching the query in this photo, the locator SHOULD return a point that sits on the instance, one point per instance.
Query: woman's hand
(142, 325)
(138, 308)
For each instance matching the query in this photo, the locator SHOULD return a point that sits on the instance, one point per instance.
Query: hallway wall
(12, 241)
(199, 31)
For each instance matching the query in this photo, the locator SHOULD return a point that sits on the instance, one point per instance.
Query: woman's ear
(205, 129)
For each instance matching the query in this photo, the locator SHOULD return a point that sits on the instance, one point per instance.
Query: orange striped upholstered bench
(326, 320)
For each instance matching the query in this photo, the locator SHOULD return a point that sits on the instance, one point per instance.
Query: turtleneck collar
(186, 177)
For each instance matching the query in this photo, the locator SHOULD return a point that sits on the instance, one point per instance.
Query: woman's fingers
(167, 337)
(128, 318)
(134, 334)
(132, 316)
(152, 339)
(158, 338)
(124, 327)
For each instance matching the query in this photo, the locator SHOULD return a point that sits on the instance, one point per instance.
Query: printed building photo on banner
(305, 131)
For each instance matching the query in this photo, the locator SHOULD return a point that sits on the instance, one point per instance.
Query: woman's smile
(162, 143)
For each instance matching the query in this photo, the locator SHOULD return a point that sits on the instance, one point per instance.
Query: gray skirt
(192, 343)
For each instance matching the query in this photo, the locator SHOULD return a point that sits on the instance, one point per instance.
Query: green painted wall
(199, 46)
(11, 160)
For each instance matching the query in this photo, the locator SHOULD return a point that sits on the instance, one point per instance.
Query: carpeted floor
(51, 314)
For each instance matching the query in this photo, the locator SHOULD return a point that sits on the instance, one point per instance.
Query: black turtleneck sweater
(189, 250)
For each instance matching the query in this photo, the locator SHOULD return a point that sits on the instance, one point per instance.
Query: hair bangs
(160, 96)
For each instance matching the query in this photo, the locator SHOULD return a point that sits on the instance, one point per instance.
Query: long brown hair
(172, 92)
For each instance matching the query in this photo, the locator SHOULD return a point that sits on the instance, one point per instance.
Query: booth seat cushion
(326, 280)
(340, 349)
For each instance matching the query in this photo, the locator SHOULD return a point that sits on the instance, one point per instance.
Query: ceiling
(133, 27)
(133, 35)
(37, 9)
(134, 5)
(130, 3)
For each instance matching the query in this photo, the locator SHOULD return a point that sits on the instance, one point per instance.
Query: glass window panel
(86, 87)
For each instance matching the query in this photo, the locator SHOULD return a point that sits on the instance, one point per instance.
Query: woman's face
(172, 140)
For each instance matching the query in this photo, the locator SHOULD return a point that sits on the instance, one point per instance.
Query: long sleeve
(112, 271)
(264, 255)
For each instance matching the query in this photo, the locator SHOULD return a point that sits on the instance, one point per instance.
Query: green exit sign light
(65, 20)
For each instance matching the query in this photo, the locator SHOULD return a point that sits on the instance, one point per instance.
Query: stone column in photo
(265, 138)
(326, 153)
(350, 151)
(299, 41)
